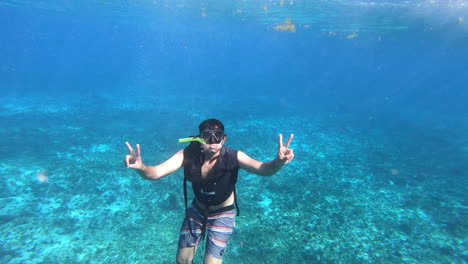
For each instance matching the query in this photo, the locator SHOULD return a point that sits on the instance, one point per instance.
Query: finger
(289, 140)
(138, 150)
(289, 158)
(129, 147)
(280, 140)
(127, 160)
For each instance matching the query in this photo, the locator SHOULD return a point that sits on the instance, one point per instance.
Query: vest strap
(186, 207)
(235, 202)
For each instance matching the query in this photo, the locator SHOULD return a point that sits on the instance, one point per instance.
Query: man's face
(214, 140)
(212, 148)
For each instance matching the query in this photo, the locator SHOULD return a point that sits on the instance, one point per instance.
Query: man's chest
(206, 168)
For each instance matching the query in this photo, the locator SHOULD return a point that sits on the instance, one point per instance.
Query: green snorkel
(190, 139)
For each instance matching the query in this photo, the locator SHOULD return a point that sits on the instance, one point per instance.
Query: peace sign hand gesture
(133, 160)
(285, 154)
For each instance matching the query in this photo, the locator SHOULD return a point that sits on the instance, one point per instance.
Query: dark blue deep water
(375, 92)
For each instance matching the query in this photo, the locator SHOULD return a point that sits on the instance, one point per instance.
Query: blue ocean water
(375, 93)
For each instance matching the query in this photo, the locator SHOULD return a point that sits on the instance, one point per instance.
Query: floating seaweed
(287, 26)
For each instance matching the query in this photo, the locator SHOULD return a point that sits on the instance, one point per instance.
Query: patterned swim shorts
(218, 226)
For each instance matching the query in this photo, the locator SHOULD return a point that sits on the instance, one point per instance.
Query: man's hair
(211, 124)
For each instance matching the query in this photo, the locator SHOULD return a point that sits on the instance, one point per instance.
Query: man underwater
(212, 168)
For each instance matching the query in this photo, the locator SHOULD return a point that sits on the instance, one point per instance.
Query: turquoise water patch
(373, 91)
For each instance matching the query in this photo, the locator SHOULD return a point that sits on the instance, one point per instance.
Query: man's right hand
(133, 159)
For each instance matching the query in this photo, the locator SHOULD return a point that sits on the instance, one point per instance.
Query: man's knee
(185, 255)
(183, 260)
(211, 260)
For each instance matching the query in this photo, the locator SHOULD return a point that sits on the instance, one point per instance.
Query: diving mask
(212, 136)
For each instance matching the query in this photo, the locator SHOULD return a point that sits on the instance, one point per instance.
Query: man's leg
(185, 255)
(211, 260)
(189, 238)
(219, 230)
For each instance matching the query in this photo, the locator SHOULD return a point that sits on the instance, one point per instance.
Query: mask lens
(212, 136)
(218, 135)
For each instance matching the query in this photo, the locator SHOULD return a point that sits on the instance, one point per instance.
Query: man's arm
(163, 169)
(285, 155)
(257, 167)
(133, 160)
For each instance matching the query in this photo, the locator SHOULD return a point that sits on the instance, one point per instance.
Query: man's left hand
(285, 154)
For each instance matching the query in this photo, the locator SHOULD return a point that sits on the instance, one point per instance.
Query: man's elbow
(153, 176)
(266, 173)
(267, 170)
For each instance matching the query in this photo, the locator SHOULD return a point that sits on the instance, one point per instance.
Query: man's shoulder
(230, 155)
(229, 150)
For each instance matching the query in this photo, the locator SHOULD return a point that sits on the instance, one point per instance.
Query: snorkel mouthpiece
(190, 139)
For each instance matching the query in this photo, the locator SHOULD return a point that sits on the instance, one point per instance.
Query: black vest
(220, 182)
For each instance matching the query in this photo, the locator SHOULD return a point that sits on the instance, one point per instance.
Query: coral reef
(352, 195)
